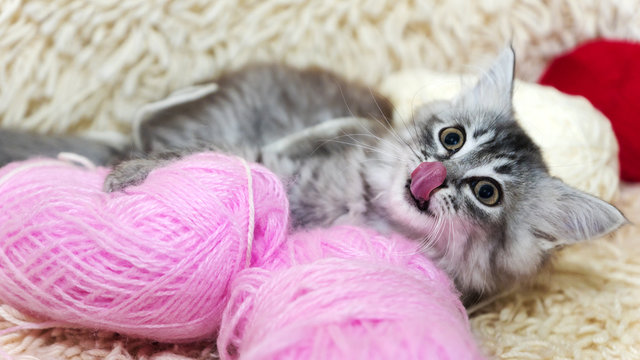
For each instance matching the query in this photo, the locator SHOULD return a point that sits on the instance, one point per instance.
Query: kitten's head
(498, 213)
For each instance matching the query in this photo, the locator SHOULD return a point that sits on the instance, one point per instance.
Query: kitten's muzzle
(426, 178)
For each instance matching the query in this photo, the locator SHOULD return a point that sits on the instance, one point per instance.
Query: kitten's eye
(486, 191)
(452, 138)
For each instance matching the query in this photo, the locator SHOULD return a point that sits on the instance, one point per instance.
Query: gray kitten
(462, 178)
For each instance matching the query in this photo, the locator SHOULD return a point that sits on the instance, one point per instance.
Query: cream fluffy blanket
(88, 66)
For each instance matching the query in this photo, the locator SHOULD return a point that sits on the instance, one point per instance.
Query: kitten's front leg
(329, 137)
(135, 171)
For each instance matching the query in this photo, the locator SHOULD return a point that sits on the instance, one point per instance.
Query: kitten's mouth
(422, 205)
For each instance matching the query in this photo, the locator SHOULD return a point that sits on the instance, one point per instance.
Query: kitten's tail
(18, 145)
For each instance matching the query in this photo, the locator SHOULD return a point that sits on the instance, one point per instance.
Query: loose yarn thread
(252, 210)
(74, 158)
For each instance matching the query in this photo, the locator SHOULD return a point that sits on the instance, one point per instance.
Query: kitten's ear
(495, 88)
(566, 215)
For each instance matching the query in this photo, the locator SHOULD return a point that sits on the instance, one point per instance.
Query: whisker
(391, 128)
(450, 240)
(363, 146)
(412, 123)
(433, 236)
(388, 126)
(380, 139)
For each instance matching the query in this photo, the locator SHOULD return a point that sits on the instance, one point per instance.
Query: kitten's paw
(129, 173)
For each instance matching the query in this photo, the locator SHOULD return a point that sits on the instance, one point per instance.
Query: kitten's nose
(425, 178)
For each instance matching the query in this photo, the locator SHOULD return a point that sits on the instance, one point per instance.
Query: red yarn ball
(607, 73)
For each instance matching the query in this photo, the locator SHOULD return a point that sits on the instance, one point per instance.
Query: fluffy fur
(484, 247)
(331, 142)
(356, 171)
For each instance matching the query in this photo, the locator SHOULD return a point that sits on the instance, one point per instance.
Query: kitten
(462, 178)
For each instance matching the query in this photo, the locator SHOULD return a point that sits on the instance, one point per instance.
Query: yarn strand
(76, 159)
(252, 215)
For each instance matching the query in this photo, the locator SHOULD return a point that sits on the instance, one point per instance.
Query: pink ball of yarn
(346, 293)
(154, 261)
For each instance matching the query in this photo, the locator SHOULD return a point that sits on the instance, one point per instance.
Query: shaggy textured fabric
(87, 67)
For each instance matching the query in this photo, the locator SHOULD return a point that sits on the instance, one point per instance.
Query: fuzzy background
(86, 66)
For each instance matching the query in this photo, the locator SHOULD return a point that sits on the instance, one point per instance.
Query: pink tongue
(426, 177)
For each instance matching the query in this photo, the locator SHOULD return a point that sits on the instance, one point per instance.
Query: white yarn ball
(577, 141)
